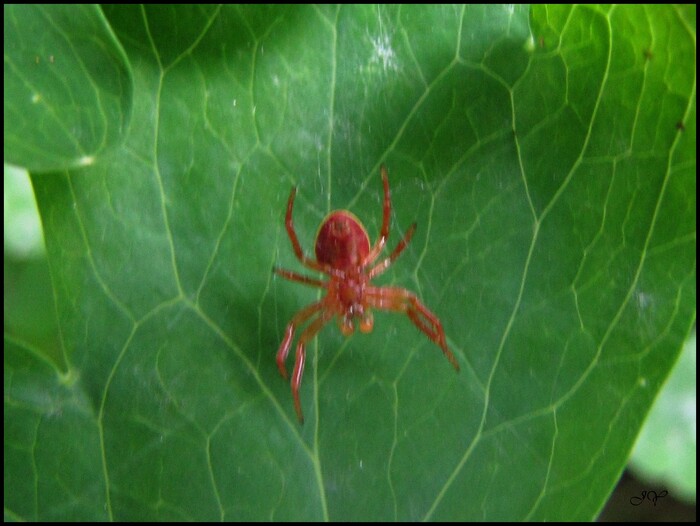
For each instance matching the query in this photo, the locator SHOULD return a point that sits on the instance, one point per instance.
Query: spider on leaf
(344, 254)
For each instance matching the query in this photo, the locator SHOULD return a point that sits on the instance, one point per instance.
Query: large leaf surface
(67, 86)
(548, 158)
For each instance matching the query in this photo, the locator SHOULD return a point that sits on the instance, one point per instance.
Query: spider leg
(293, 276)
(299, 318)
(289, 225)
(383, 265)
(310, 331)
(384, 232)
(400, 300)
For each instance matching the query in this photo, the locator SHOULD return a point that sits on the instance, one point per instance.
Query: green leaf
(547, 155)
(68, 86)
(22, 226)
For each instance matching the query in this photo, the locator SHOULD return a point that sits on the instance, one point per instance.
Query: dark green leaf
(68, 86)
(548, 157)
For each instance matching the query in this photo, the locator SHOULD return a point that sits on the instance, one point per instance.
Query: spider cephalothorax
(343, 252)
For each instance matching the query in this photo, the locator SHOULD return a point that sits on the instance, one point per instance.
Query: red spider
(343, 253)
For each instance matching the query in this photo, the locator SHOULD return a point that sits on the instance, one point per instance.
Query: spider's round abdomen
(341, 240)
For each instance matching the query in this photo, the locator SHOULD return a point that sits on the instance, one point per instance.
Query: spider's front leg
(299, 318)
(401, 300)
(308, 334)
